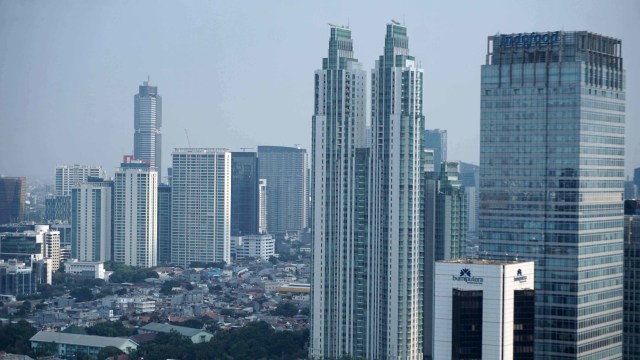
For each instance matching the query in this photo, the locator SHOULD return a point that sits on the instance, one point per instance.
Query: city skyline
(203, 98)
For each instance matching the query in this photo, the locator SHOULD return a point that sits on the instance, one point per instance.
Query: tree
(24, 308)
(14, 338)
(82, 294)
(109, 351)
(168, 286)
(191, 323)
(273, 260)
(110, 329)
(286, 308)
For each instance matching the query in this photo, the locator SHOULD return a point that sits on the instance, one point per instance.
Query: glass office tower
(551, 181)
(147, 120)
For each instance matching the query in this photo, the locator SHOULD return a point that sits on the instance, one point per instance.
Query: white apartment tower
(201, 205)
(135, 213)
(91, 220)
(396, 204)
(262, 206)
(339, 123)
(68, 176)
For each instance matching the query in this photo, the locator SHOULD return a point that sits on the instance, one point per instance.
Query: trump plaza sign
(528, 40)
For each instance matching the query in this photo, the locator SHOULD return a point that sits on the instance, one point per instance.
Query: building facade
(437, 140)
(631, 278)
(484, 309)
(338, 124)
(13, 193)
(285, 169)
(91, 220)
(262, 206)
(396, 204)
(445, 232)
(135, 215)
(201, 206)
(244, 193)
(256, 246)
(164, 224)
(57, 208)
(147, 120)
(69, 176)
(551, 179)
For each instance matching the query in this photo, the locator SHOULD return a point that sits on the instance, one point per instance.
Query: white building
(69, 176)
(483, 309)
(255, 246)
(135, 214)
(91, 220)
(85, 268)
(262, 206)
(201, 206)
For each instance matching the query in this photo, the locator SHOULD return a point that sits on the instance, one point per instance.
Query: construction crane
(187, 134)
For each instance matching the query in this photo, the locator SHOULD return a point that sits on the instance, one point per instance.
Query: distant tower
(201, 206)
(437, 140)
(285, 169)
(13, 192)
(135, 210)
(68, 176)
(164, 224)
(262, 207)
(244, 193)
(91, 220)
(147, 140)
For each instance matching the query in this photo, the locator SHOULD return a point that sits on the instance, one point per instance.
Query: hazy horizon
(241, 74)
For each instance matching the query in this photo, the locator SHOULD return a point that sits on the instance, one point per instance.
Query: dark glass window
(467, 325)
(523, 324)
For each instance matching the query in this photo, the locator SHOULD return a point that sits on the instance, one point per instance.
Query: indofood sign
(528, 40)
(465, 275)
(519, 277)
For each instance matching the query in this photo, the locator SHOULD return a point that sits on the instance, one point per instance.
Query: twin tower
(367, 184)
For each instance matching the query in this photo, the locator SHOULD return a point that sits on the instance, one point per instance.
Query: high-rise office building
(396, 221)
(69, 176)
(164, 224)
(13, 193)
(91, 220)
(551, 178)
(445, 232)
(135, 214)
(636, 180)
(285, 169)
(485, 309)
(338, 318)
(630, 190)
(437, 140)
(470, 177)
(201, 206)
(57, 208)
(631, 279)
(244, 193)
(147, 119)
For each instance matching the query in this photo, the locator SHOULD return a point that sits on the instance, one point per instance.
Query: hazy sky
(240, 73)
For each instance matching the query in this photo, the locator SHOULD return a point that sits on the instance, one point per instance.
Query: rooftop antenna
(297, 145)
(187, 134)
(245, 149)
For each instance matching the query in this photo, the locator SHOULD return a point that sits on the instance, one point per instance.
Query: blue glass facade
(551, 181)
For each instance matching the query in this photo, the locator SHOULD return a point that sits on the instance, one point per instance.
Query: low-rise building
(255, 246)
(85, 268)
(70, 345)
(195, 335)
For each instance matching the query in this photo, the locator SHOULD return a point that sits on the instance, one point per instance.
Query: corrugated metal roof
(166, 328)
(83, 340)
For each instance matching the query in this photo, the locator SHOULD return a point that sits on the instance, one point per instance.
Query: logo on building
(465, 275)
(528, 40)
(519, 277)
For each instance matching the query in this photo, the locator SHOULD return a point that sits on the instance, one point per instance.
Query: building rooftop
(484, 261)
(167, 328)
(82, 340)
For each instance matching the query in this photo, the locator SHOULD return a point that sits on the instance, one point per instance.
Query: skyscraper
(262, 207)
(551, 179)
(164, 224)
(68, 176)
(631, 280)
(445, 232)
(201, 206)
(244, 193)
(339, 120)
(13, 192)
(147, 119)
(285, 169)
(396, 223)
(437, 140)
(91, 220)
(135, 213)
